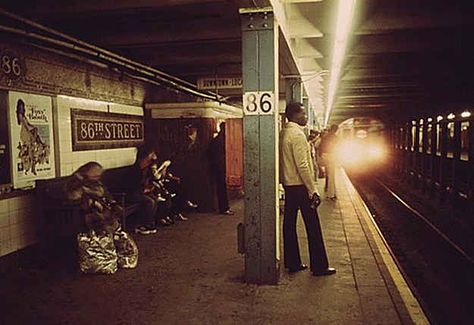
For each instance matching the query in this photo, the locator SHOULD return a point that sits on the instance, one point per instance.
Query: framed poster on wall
(31, 138)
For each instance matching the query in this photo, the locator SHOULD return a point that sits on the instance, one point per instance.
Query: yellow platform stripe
(414, 309)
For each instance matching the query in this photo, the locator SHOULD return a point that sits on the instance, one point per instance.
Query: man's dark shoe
(191, 204)
(300, 268)
(328, 271)
(180, 217)
(228, 212)
(145, 230)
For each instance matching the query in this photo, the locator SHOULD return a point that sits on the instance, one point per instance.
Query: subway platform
(191, 273)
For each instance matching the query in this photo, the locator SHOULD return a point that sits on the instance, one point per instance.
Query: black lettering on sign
(92, 130)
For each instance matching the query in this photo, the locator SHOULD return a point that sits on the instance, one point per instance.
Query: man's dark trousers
(296, 197)
(221, 188)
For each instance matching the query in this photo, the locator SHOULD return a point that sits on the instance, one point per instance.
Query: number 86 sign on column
(259, 103)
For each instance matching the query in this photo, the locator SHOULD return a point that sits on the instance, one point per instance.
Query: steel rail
(427, 222)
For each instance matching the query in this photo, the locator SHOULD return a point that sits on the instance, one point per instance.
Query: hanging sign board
(93, 130)
(31, 138)
(219, 83)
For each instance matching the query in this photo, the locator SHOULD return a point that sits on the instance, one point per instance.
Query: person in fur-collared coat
(100, 210)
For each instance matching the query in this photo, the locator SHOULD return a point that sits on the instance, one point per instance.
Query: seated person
(101, 212)
(138, 192)
(172, 186)
(154, 188)
(172, 206)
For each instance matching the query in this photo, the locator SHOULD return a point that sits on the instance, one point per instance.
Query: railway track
(436, 263)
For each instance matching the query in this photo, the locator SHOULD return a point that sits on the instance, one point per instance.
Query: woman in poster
(32, 149)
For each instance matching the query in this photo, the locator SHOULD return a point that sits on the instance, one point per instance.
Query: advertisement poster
(31, 138)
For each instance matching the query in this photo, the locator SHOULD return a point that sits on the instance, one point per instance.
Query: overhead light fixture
(345, 14)
(465, 114)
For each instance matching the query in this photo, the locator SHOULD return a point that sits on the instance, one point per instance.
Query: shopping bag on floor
(127, 250)
(97, 253)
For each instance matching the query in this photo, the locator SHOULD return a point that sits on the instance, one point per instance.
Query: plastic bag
(127, 250)
(97, 253)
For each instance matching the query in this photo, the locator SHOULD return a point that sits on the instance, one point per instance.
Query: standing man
(218, 169)
(300, 194)
(328, 153)
(314, 140)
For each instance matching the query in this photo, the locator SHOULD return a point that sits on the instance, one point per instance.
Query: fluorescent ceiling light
(345, 14)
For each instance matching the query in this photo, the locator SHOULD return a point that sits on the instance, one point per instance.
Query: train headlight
(376, 152)
(349, 152)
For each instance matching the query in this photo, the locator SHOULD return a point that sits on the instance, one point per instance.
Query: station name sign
(92, 130)
(219, 83)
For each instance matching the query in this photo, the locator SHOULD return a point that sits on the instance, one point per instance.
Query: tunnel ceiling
(403, 55)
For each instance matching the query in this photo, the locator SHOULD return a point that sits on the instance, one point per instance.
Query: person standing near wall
(218, 169)
(328, 149)
(191, 161)
(314, 140)
(297, 176)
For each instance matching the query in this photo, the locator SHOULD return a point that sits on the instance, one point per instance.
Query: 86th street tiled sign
(92, 130)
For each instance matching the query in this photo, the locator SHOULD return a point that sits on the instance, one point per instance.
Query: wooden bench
(65, 218)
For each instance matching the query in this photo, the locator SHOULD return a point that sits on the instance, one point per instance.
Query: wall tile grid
(109, 158)
(18, 227)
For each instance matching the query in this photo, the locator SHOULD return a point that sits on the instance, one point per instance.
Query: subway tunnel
(96, 81)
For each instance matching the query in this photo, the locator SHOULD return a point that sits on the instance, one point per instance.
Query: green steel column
(471, 159)
(416, 151)
(260, 102)
(443, 155)
(456, 171)
(434, 146)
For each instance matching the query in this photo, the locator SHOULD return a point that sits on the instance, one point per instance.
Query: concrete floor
(191, 273)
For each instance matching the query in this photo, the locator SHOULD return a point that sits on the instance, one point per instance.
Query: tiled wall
(70, 160)
(17, 223)
(18, 216)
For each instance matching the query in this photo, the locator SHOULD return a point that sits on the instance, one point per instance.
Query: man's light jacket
(296, 167)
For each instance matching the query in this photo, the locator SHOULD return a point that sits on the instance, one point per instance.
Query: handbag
(127, 250)
(97, 253)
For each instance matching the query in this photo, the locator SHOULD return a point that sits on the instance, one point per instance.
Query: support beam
(75, 8)
(294, 90)
(260, 91)
(308, 113)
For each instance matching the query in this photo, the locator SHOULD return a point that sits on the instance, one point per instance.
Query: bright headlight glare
(349, 151)
(360, 153)
(376, 152)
